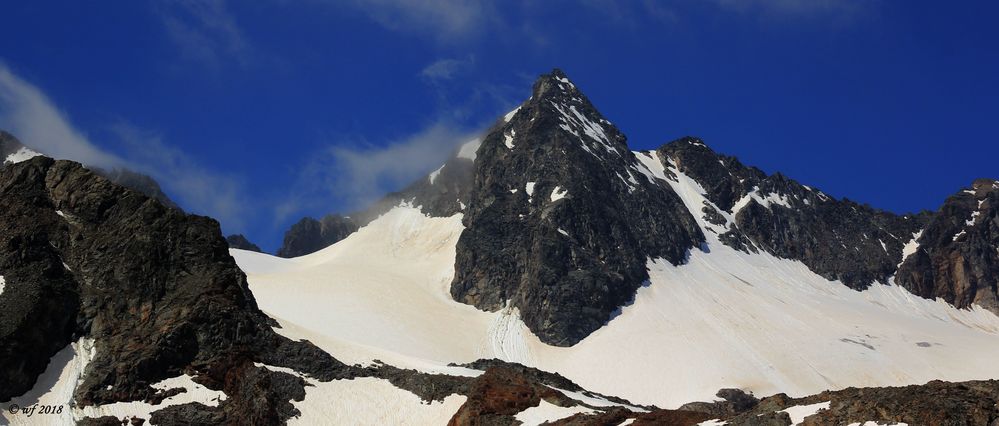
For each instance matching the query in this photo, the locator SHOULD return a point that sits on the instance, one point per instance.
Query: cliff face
(562, 217)
(838, 239)
(155, 288)
(956, 257)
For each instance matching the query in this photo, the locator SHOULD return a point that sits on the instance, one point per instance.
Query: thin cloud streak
(354, 175)
(32, 117)
(205, 31)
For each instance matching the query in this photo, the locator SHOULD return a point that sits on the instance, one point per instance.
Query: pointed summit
(562, 217)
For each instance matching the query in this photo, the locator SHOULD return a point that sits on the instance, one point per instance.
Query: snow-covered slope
(723, 319)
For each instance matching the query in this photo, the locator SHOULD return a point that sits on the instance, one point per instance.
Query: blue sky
(260, 112)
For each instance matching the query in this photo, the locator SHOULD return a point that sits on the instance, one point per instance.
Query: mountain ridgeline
(561, 218)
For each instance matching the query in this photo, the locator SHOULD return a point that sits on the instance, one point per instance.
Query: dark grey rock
(239, 241)
(957, 259)
(310, 235)
(837, 239)
(85, 257)
(513, 250)
(122, 176)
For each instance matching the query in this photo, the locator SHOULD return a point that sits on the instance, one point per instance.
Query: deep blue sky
(260, 112)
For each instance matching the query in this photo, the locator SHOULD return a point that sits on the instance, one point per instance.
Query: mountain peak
(554, 84)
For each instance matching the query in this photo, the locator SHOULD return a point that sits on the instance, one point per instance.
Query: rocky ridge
(561, 219)
(956, 255)
(12, 150)
(239, 241)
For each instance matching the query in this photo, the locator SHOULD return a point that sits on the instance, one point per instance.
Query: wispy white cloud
(797, 8)
(204, 31)
(196, 187)
(445, 20)
(353, 174)
(33, 118)
(446, 69)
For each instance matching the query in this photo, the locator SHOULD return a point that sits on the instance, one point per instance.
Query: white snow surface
(799, 412)
(369, 401)
(724, 319)
(22, 154)
(529, 188)
(3, 283)
(548, 412)
(435, 173)
(558, 193)
(469, 149)
(508, 138)
(873, 423)
(509, 115)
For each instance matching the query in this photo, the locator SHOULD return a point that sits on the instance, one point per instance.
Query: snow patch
(469, 149)
(194, 392)
(560, 231)
(22, 154)
(548, 412)
(435, 173)
(712, 422)
(799, 412)
(55, 386)
(508, 138)
(3, 283)
(529, 189)
(597, 401)
(509, 116)
(558, 193)
(910, 247)
(370, 401)
(765, 201)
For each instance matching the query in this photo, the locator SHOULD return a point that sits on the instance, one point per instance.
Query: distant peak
(985, 184)
(688, 142)
(554, 84)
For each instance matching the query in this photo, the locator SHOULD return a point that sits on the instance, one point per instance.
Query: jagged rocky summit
(239, 241)
(13, 151)
(561, 218)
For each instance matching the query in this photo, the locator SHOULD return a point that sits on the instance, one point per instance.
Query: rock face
(239, 241)
(957, 257)
(310, 235)
(934, 403)
(156, 288)
(837, 239)
(562, 218)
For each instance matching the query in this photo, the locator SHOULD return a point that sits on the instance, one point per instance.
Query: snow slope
(723, 319)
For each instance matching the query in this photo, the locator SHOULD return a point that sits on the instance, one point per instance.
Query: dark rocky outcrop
(561, 221)
(239, 241)
(957, 258)
(837, 239)
(310, 235)
(156, 288)
(934, 403)
(122, 176)
(495, 397)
